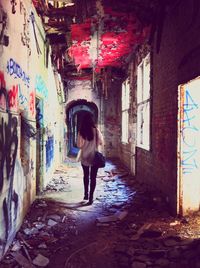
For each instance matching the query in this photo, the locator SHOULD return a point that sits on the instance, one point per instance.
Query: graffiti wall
(24, 76)
(189, 145)
(11, 189)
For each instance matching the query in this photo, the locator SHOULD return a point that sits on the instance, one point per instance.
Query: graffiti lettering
(189, 104)
(14, 69)
(22, 99)
(32, 103)
(13, 97)
(188, 139)
(41, 87)
(8, 149)
(39, 114)
(189, 134)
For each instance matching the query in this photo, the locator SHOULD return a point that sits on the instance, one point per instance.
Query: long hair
(87, 125)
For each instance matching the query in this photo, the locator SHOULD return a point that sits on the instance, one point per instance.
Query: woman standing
(89, 138)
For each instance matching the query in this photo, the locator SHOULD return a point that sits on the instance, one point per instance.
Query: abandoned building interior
(135, 66)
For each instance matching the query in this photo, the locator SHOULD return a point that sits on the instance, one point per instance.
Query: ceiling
(89, 36)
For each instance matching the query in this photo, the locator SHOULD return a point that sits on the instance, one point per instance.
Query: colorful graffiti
(15, 70)
(23, 101)
(40, 87)
(13, 97)
(9, 146)
(189, 132)
(3, 93)
(49, 151)
(16, 96)
(32, 103)
(39, 113)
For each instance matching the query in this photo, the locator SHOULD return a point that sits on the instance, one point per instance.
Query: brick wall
(176, 62)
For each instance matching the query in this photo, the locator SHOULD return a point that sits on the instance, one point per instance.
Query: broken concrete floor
(124, 227)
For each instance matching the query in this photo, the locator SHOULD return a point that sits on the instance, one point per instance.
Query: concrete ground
(124, 227)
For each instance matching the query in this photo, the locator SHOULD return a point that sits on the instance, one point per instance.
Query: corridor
(120, 77)
(125, 227)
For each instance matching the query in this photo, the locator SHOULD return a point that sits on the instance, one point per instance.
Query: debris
(172, 241)
(121, 214)
(146, 226)
(22, 239)
(42, 204)
(63, 219)
(109, 178)
(44, 216)
(41, 261)
(133, 225)
(102, 224)
(174, 223)
(22, 260)
(51, 222)
(39, 225)
(185, 220)
(43, 245)
(107, 219)
(151, 233)
(27, 254)
(54, 217)
(16, 246)
(31, 231)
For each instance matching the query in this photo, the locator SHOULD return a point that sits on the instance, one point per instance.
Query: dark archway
(74, 113)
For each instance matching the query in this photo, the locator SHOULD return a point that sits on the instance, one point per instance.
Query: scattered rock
(146, 226)
(16, 246)
(174, 223)
(171, 241)
(24, 262)
(31, 231)
(39, 225)
(54, 217)
(43, 245)
(51, 222)
(41, 261)
(121, 214)
(151, 233)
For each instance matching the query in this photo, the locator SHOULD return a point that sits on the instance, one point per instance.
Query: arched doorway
(74, 114)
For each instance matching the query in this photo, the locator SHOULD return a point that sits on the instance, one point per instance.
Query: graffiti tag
(189, 134)
(15, 70)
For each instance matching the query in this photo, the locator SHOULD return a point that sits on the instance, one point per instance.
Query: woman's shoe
(85, 197)
(89, 202)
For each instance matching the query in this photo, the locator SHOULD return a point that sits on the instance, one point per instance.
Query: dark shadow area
(126, 226)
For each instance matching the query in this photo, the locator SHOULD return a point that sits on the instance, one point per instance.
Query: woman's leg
(85, 180)
(93, 175)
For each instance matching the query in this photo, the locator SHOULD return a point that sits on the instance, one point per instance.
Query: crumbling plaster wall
(112, 119)
(176, 62)
(23, 76)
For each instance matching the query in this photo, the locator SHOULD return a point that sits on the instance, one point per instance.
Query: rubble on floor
(125, 227)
